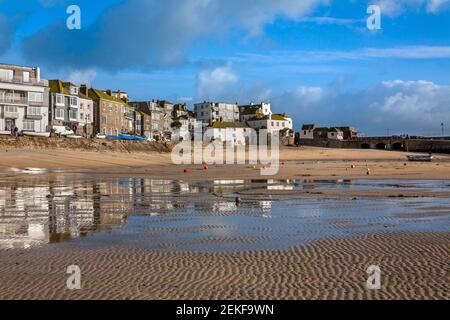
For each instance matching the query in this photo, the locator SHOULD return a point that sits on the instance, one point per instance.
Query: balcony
(14, 100)
(20, 80)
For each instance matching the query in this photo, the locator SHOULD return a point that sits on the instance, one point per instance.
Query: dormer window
(74, 90)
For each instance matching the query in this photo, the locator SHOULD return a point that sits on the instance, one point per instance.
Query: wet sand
(295, 163)
(414, 266)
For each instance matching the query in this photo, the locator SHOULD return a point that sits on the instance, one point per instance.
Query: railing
(21, 80)
(14, 100)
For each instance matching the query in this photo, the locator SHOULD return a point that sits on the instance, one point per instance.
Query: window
(59, 100)
(104, 120)
(82, 116)
(73, 113)
(11, 109)
(34, 111)
(81, 106)
(26, 77)
(28, 125)
(35, 97)
(59, 114)
(6, 75)
(74, 101)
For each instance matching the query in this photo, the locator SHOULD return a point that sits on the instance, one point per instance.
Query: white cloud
(415, 107)
(212, 83)
(82, 76)
(394, 8)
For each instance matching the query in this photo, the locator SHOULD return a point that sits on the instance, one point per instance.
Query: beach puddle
(206, 216)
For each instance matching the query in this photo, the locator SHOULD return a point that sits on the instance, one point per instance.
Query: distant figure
(16, 131)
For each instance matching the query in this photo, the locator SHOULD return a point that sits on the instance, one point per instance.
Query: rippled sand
(414, 266)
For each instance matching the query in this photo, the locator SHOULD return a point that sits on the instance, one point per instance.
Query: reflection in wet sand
(166, 214)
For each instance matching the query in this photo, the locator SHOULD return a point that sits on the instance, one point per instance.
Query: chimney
(84, 89)
(38, 74)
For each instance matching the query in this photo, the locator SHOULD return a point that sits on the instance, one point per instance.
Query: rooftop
(223, 125)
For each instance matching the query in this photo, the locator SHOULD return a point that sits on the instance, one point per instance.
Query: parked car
(63, 131)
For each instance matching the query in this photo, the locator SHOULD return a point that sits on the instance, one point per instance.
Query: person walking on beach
(16, 131)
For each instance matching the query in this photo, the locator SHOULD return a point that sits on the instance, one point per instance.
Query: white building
(210, 112)
(85, 115)
(186, 129)
(272, 123)
(251, 111)
(307, 131)
(23, 99)
(233, 132)
(335, 134)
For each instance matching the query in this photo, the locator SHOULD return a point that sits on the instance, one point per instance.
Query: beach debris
(205, 168)
(237, 201)
(185, 171)
(368, 172)
(353, 166)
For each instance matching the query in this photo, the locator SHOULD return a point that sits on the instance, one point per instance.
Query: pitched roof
(56, 86)
(308, 127)
(279, 117)
(223, 125)
(99, 94)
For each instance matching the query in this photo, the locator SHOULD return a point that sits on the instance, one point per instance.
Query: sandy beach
(305, 162)
(414, 264)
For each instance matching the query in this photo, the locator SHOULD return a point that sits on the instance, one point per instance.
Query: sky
(315, 60)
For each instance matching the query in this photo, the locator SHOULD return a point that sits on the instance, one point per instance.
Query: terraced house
(152, 119)
(112, 115)
(69, 107)
(23, 99)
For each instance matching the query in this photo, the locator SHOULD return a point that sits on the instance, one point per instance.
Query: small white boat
(36, 134)
(100, 136)
(420, 158)
(74, 137)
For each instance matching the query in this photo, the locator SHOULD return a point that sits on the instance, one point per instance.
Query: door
(9, 124)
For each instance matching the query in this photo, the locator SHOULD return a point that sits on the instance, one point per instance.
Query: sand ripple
(414, 266)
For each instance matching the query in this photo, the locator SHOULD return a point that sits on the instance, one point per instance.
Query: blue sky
(313, 59)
